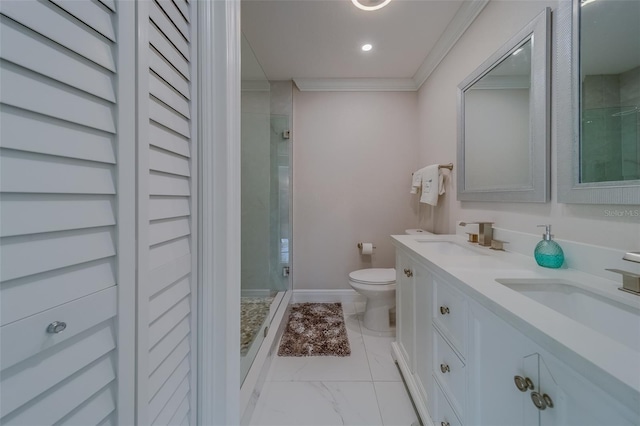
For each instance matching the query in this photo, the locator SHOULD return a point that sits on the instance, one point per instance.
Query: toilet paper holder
(360, 246)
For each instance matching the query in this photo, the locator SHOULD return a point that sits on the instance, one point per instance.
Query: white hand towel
(432, 184)
(416, 181)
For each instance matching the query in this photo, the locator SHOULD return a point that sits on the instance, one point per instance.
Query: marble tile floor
(363, 389)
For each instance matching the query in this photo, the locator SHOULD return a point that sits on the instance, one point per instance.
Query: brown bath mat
(315, 329)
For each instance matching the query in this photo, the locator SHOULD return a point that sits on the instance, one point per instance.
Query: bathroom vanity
(490, 338)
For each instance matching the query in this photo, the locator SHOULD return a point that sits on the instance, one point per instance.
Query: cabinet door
(497, 353)
(423, 283)
(67, 208)
(576, 401)
(167, 234)
(405, 299)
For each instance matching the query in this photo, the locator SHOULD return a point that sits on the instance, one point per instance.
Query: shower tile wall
(630, 98)
(255, 191)
(601, 149)
(610, 128)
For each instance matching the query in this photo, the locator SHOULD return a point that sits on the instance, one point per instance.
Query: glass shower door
(265, 206)
(280, 195)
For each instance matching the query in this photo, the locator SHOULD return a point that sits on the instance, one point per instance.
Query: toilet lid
(374, 276)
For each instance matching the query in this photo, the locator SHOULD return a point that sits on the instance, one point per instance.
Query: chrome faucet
(630, 281)
(485, 232)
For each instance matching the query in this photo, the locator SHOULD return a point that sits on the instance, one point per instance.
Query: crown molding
(355, 84)
(461, 21)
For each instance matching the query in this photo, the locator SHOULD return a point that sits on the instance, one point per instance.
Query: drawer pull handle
(540, 401)
(444, 368)
(444, 424)
(408, 273)
(523, 383)
(56, 327)
(444, 310)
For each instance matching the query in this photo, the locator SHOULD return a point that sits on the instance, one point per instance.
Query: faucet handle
(630, 281)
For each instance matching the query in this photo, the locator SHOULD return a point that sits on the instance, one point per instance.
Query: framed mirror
(598, 102)
(503, 121)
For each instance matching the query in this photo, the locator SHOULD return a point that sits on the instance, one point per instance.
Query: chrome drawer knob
(444, 423)
(56, 327)
(541, 401)
(408, 273)
(444, 310)
(444, 368)
(523, 383)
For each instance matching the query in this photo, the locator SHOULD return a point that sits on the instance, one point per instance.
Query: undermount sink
(450, 248)
(620, 321)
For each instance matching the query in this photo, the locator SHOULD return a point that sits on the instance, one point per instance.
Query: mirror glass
(500, 96)
(503, 121)
(597, 94)
(609, 90)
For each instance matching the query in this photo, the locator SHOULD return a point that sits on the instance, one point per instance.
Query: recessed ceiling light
(370, 5)
(366, 47)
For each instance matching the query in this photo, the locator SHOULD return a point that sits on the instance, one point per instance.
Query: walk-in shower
(265, 198)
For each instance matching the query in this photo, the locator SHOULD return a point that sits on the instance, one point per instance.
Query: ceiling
(322, 39)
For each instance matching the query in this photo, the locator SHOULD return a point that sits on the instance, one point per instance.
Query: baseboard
(412, 385)
(327, 296)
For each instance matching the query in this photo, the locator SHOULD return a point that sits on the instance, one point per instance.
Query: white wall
(353, 157)
(483, 140)
(594, 224)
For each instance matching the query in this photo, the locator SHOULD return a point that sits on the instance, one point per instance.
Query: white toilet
(378, 285)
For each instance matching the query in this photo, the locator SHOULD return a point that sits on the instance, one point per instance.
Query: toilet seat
(374, 276)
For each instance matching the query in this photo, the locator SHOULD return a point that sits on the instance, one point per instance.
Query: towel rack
(443, 166)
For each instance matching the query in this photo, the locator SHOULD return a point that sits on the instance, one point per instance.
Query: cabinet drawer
(450, 314)
(27, 337)
(450, 371)
(444, 414)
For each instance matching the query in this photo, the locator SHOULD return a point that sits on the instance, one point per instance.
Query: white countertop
(610, 364)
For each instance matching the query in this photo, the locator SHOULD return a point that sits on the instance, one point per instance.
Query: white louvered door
(66, 223)
(166, 212)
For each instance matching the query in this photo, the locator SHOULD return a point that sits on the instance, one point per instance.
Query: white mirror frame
(567, 105)
(538, 30)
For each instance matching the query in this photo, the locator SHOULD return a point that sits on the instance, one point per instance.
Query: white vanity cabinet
(462, 362)
(501, 355)
(413, 346)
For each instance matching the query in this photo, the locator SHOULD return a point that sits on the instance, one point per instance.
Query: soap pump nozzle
(547, 232)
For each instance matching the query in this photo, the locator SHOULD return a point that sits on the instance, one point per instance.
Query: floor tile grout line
(373, 385)
(364, 343)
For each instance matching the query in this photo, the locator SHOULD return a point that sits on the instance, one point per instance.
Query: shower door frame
(219, 212)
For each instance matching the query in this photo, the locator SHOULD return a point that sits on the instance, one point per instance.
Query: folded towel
(432, 184)
(416, 182)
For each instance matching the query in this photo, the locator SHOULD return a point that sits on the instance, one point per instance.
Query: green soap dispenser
(548, 253)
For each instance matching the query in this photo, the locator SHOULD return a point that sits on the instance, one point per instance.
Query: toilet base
(376, 314)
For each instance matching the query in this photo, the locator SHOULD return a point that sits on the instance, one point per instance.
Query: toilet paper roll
(367, 248)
